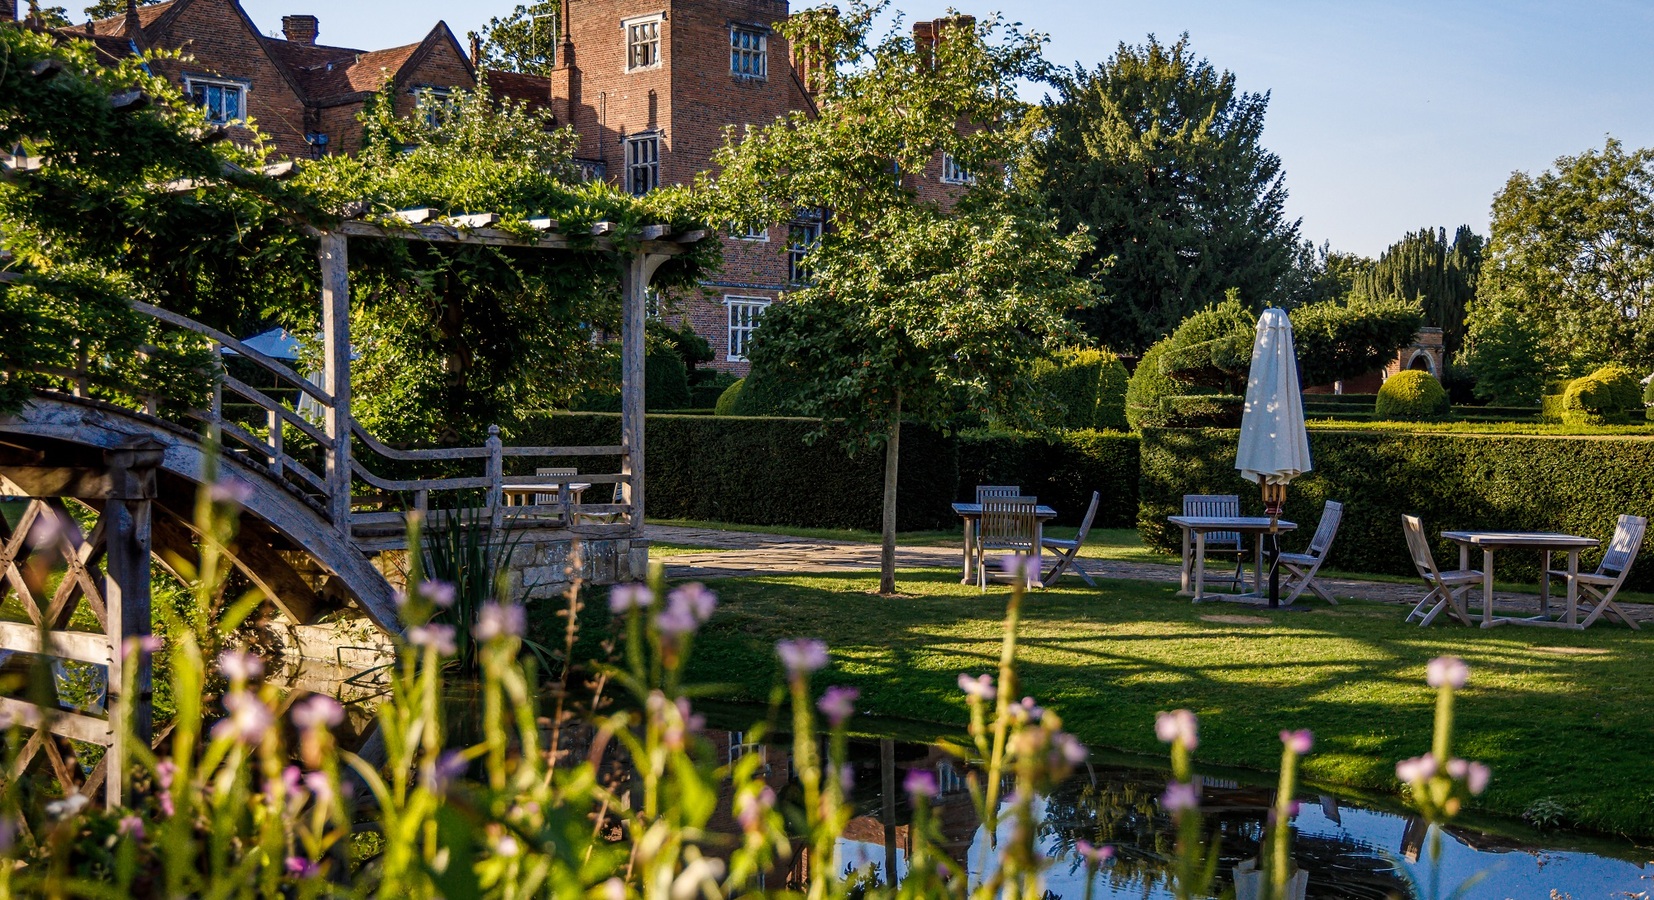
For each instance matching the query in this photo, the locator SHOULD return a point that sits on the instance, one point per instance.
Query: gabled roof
(328, 75)
(147, 16)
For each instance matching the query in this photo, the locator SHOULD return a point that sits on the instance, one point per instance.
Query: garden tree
(1571, 252)
(108, 9)
(1158, 154)
(1506, 355)
(916, 306)
(94, 225)
(1442, 276)
(1322, 273)
(524, 41)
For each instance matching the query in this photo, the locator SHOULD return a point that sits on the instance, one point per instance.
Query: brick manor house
(648, 85)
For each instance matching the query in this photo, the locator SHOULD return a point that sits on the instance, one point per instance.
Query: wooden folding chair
(1070, 549)
(984, 491)
(1301, 567)
(1011, 524)
(1221, 543)
(1447, 589)
(1605, 582)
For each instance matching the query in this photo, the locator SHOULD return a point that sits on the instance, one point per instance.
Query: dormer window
(748, 52)
(642, 43)
(225, 101)
(436, 103)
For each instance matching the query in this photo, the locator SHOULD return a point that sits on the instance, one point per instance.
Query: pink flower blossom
(1298, 741)
(623, 597)
(846, 778)
(319, 786)
(838, 704)
(801, 657)
(750, 808)
(920, 783)
(981, 687)
(301, 867)
(614, 889)
(435, 636)
(1094, 856)
(1447, 671)
(132, 827)
(1475, 775)
(1068, 748)
(1417, 770)
(498, 620)
(148, 644)
(247, 720)
(1180, 796)
(1178, 727)
(239, 666)
(1020, 568)
(694, 596)
(439, 594)
(318, 711)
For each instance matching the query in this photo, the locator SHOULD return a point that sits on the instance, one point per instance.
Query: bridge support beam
(634, 285)
(127, 519)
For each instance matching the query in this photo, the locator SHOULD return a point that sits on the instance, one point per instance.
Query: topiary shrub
(705, 394)
(1411, 396)
(1148, 386)
(729, 398)
(1624, 388)
(1085, 388)
(1203, 411)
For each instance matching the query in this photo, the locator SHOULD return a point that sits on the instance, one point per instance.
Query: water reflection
(1343, 850)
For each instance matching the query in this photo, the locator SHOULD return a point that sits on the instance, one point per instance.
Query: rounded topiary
(1589, 401)
(1624, 388)
(1411, 396)
(1148, 386)
(727, 400)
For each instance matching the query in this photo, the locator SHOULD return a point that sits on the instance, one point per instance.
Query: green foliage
(1148, 387)
(1505, 352)
(706, 393)
(1624, 387)
(524, 41)
(1491, 482)
(665, 386)
(1321, 274)
(1203, 410)
(1424, 268)
(730, 398)
(1086, 388)
(1158, 154)
(108, 9)
(1612, 395)
(1571, 253)
(1411, 395)
(1061, 469)
(1335, 342)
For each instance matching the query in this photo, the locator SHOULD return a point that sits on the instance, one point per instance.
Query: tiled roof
(324, 73)
(115, 25)
(532, 90)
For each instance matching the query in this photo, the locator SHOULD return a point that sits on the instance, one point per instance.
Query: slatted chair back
(984, 491)
(1622, 550)
(1215, 505)
(553, 498)
(1419, 547)
(1090, 514)
(1009, 523)
(1331, 514)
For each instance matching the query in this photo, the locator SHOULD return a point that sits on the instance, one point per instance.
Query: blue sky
(1388, 116)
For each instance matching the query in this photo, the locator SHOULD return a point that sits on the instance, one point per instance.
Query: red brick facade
(637, 79)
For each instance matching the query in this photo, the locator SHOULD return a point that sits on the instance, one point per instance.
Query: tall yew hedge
(1454, 481)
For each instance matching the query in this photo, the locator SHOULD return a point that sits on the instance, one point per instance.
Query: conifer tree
(1442, 276)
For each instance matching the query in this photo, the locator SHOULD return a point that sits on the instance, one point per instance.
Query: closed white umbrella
(1274, 447)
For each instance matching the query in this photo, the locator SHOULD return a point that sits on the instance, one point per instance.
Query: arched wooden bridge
(315, 513)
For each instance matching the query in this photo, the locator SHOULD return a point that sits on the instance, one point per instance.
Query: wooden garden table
(972, 514)
(1546, 541)
(1195, 529)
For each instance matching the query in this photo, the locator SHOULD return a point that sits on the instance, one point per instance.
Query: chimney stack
(8, 10)
(301, 29)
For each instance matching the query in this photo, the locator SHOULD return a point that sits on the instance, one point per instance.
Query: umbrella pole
(1274, 499)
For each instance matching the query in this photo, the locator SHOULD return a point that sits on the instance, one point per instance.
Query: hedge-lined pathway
(737, 554)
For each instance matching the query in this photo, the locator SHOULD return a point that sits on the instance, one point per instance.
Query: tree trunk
(892, 453)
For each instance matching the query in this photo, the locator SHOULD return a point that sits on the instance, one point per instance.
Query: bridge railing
(275, 427)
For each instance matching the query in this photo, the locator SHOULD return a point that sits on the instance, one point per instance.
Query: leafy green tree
(1506, 354)
(1321, 273)
(1441, 276)
(1158, 154)
(108, 9)
(1571, 251)
(916, 306)
(524, 41)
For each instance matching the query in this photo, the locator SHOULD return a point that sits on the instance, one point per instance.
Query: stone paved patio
(736, 554)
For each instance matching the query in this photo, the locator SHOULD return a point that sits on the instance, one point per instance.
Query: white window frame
(628, 31)
(758, 235)
(744, 314)
(441, 105)
(953, 172)
(796, 271)
(637, 159)
(242, 89)
(756, 52)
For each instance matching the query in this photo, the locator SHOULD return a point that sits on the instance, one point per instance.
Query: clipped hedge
(1087, 388)
(761, 471)
(1412, 396)
(1061, 470)
(1454, 481)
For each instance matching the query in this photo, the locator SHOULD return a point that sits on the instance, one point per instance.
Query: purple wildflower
(435, 636)
(317, 711)
(623, 597)
(1178, 727)
(801, 657)
(1447, 671)
(980, 688)
(1298, 741)
(497, 620)
(1180, 796)
(920, 783)
(838, 704)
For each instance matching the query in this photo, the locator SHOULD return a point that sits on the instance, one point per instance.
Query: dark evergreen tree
(1442, 276)
(524, 41)
(1158, 154)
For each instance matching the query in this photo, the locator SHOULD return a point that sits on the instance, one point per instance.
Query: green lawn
(1559, 715)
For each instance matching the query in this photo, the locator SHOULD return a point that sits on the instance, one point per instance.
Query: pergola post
(127, 523)
(335, 261)
(634, 284)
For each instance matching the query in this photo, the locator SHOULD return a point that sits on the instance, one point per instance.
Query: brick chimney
(8, 10)
(301, 29)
